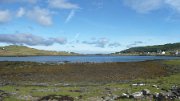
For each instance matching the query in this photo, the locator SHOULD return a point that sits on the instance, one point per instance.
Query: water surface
(97, 59)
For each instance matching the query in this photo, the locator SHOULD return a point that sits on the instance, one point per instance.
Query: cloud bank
(101, 42)
(30, 39)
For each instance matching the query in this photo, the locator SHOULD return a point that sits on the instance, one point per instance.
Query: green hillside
(170, 48)
(14, 50)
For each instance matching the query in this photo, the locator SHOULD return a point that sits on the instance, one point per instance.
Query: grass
(172, 62)
(90, 91)
(14, 50)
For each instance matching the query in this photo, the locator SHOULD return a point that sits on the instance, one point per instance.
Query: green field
(14, 50)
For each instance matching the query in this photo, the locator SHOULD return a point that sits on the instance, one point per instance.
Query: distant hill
(14, 50)
(155, 48)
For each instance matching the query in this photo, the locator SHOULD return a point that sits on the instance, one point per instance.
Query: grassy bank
(14, 50)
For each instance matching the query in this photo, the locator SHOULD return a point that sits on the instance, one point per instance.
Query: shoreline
(85, 55)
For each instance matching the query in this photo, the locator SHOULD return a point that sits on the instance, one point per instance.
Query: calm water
(98, 59)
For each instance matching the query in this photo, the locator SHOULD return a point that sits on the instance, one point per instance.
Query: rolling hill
(156, 48)
(15, 50)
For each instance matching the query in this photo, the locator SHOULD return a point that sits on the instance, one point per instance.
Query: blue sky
(89, 26)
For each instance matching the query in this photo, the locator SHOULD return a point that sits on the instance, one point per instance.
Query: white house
(163, 53)
(177, 52)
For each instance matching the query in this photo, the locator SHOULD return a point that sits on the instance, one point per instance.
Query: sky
(89, 26)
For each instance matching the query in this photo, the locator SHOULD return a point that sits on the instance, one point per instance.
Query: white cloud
(144, 6)
(175, 4)
(62, 4)
(20, 12)
(40, 15)
(5, 16)
(70, 16)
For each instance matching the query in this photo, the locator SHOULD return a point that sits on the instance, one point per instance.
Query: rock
(146, 92)
(176, 91)
(160, 97)
(173, 94)
(124, 95)
(3, 95)
(155, 95)
(110, 98)
(1, 91)
(134, 84)
(163, 96)
(155, 86)
(114, 97)
(136, 95)
(107, 98)
(138, 84)
(142, 84)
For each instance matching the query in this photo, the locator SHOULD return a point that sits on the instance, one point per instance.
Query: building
(163, 52)
(177, 52)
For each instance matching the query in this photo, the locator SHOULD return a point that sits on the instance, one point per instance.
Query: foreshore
(85, 81)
